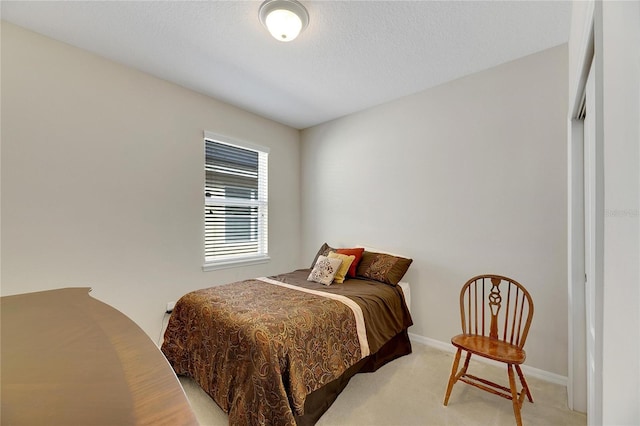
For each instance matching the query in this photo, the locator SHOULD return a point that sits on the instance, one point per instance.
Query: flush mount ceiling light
(284, 19)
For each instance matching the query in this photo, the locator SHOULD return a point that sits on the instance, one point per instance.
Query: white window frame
(262, 256)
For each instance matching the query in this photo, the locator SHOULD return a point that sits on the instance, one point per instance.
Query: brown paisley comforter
(260, 347)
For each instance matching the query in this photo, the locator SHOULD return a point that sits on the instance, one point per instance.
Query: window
(235, 203)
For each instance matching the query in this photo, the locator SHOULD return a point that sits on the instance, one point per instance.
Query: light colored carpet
(410, 390)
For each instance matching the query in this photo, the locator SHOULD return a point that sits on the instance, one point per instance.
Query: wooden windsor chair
(496, 313)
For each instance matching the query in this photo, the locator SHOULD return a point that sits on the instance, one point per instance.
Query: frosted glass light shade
(284, 19)
(283, 24)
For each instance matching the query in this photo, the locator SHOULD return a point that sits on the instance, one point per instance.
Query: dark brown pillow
(383, 267)
(324, 251)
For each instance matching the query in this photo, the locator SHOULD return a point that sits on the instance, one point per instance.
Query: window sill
(235, 263)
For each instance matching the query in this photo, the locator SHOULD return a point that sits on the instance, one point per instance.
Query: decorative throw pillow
(324, 251)
(357, 252)
(383, 267)
(344, 267)
(324, 270)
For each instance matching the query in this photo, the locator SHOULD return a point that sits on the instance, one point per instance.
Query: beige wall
(465, 178)
(102, 179)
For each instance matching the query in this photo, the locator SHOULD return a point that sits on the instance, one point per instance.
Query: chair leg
(514, 395)
(464, 368)
(452, 377)
(525, 386)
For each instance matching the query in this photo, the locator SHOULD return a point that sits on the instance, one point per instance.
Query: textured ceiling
(353, 55)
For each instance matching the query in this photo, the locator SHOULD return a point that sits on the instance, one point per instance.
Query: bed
(278, 350)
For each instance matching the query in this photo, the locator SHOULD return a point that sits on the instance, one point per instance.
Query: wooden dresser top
(69, 359)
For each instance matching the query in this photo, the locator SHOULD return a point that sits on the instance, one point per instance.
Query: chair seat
(490, 348)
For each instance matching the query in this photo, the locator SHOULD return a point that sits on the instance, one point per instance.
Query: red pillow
(357, 252)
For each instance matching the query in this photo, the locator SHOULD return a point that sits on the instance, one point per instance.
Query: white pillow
(324, 270)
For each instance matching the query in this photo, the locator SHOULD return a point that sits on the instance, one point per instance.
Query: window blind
(236, 202)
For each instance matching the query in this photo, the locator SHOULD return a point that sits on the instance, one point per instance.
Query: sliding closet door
(592, 299)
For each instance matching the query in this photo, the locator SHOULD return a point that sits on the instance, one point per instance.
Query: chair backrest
(496, 307)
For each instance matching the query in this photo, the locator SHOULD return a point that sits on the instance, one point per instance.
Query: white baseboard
(529, 371)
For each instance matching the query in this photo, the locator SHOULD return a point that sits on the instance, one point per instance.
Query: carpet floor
(410, 390)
